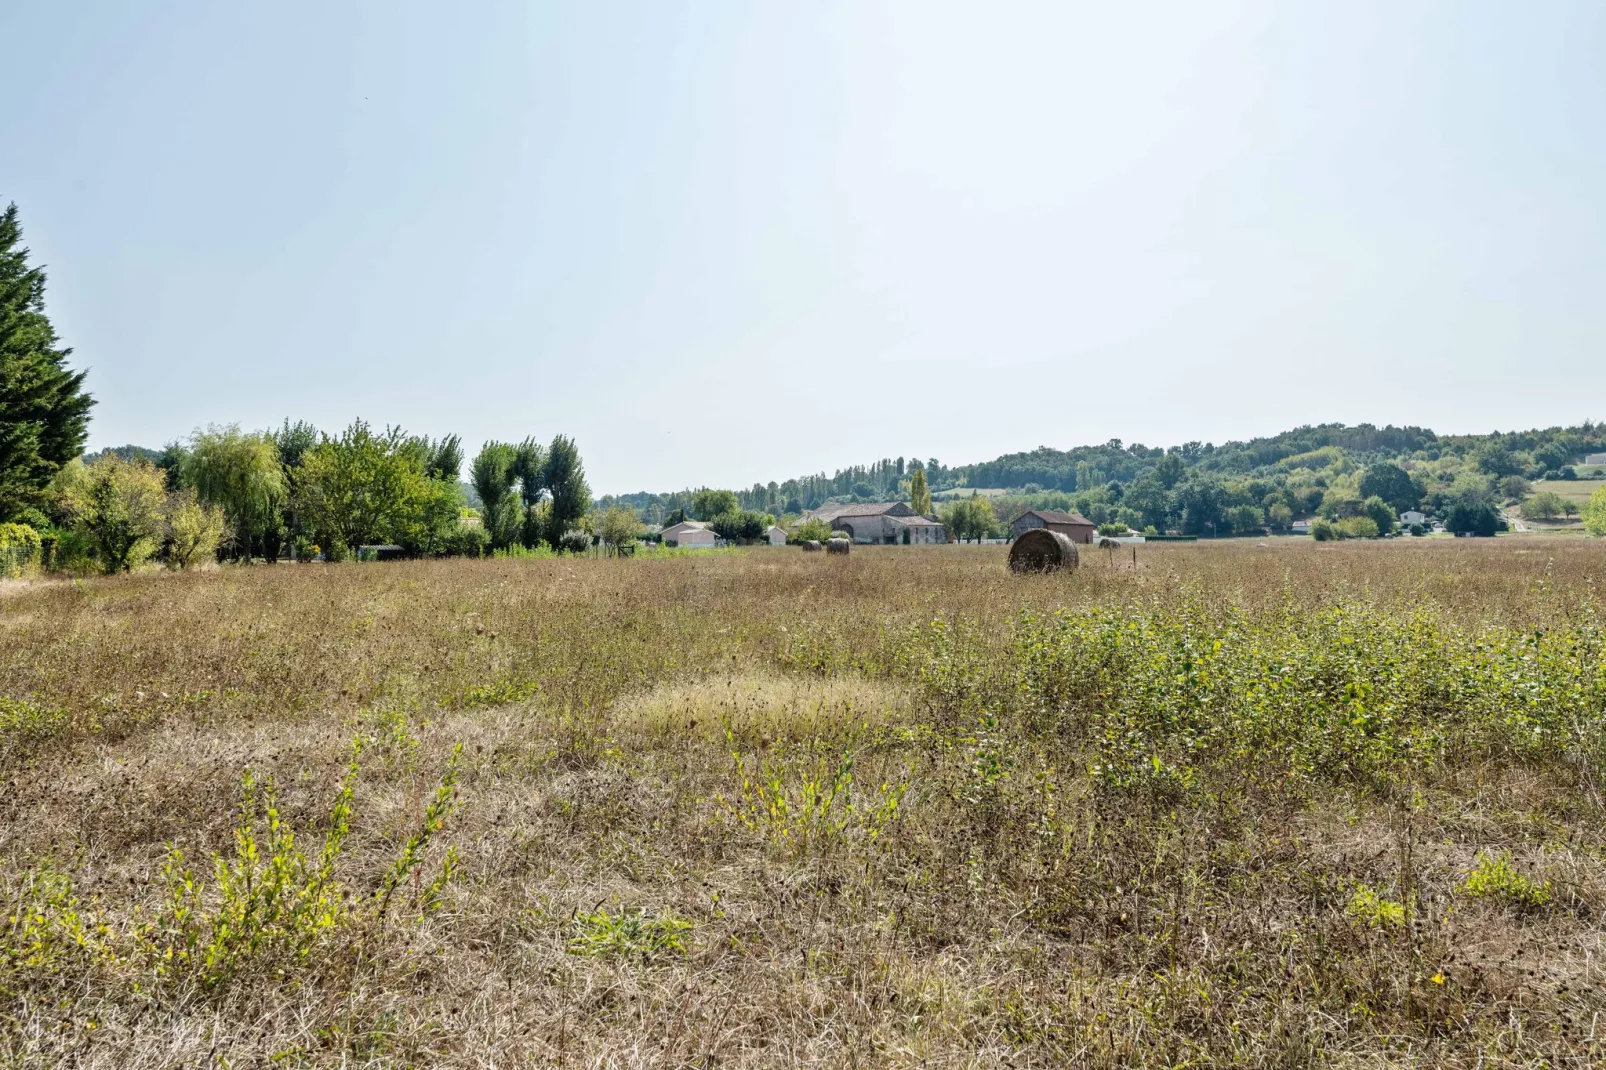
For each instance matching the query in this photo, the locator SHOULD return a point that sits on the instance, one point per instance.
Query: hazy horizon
(719, 244)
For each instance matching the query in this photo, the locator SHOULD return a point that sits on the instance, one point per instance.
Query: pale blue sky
(722, 242)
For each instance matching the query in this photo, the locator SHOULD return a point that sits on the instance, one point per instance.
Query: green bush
(812, 528)
(1357, 527)
(20, 550)
(467, 541)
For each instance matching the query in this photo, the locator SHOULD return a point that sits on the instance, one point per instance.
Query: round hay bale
(1107, 543)
(812, 546)
(1041, 550)
(838, 546)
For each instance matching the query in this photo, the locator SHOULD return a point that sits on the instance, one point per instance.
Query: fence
(19, 551)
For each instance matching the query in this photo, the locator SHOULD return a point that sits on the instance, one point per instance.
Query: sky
(720, 243)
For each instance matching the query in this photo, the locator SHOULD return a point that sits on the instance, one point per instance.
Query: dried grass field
(1296, 805)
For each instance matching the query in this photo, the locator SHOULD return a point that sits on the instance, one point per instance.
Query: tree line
(264, 495)
(302, 494)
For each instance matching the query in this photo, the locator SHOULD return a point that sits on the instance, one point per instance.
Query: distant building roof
(1052, 516)
(831, 512)
(684, 525)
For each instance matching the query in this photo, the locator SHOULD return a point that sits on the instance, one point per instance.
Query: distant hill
(127, 453)
(1193, 485)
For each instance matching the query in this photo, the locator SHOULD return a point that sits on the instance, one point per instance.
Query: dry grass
(905, 824)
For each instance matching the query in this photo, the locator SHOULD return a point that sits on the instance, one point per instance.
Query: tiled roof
(831, 512)
(1051, 516)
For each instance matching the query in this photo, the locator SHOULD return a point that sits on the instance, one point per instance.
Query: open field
(1299, 805)
(1572, 490)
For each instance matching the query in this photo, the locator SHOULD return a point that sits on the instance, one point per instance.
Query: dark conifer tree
(44, 412)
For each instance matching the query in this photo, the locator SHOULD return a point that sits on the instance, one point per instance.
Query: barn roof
(1053, 516)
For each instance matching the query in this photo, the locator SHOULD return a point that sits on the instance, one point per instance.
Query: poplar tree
(44, 412)
(919, 493)
(566, 481)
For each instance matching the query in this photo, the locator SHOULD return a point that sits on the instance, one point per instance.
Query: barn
(1078, 527)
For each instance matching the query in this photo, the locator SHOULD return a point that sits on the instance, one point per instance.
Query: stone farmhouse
(887, 523)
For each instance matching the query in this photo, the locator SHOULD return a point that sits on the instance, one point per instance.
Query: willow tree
(241, 474)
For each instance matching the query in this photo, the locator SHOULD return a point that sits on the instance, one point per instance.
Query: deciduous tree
(618, 528)
(364, 488)
(493, 475)
(706, 504)
(240, 474)
(1546, 505)
(919, 493)
(1595, 513)
(1393, 484)
(193, 529)
(118, 508)
(565, 480)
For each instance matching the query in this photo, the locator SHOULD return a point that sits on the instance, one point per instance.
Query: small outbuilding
(776, 535)
(688, 533)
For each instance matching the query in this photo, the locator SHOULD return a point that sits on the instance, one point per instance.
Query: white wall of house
(695, 538)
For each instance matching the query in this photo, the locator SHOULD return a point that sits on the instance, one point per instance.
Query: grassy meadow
(1241, 803)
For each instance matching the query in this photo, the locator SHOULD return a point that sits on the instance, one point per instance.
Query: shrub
(1357, 527)
(193, 529)
(1495, 878)
(20, 550)
(575, 541)
(1323, 530)
(812, 528)
(467, 541)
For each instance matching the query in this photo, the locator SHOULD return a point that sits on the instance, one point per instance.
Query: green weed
(1372, 910)
(633, 935)
(1495, 878)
